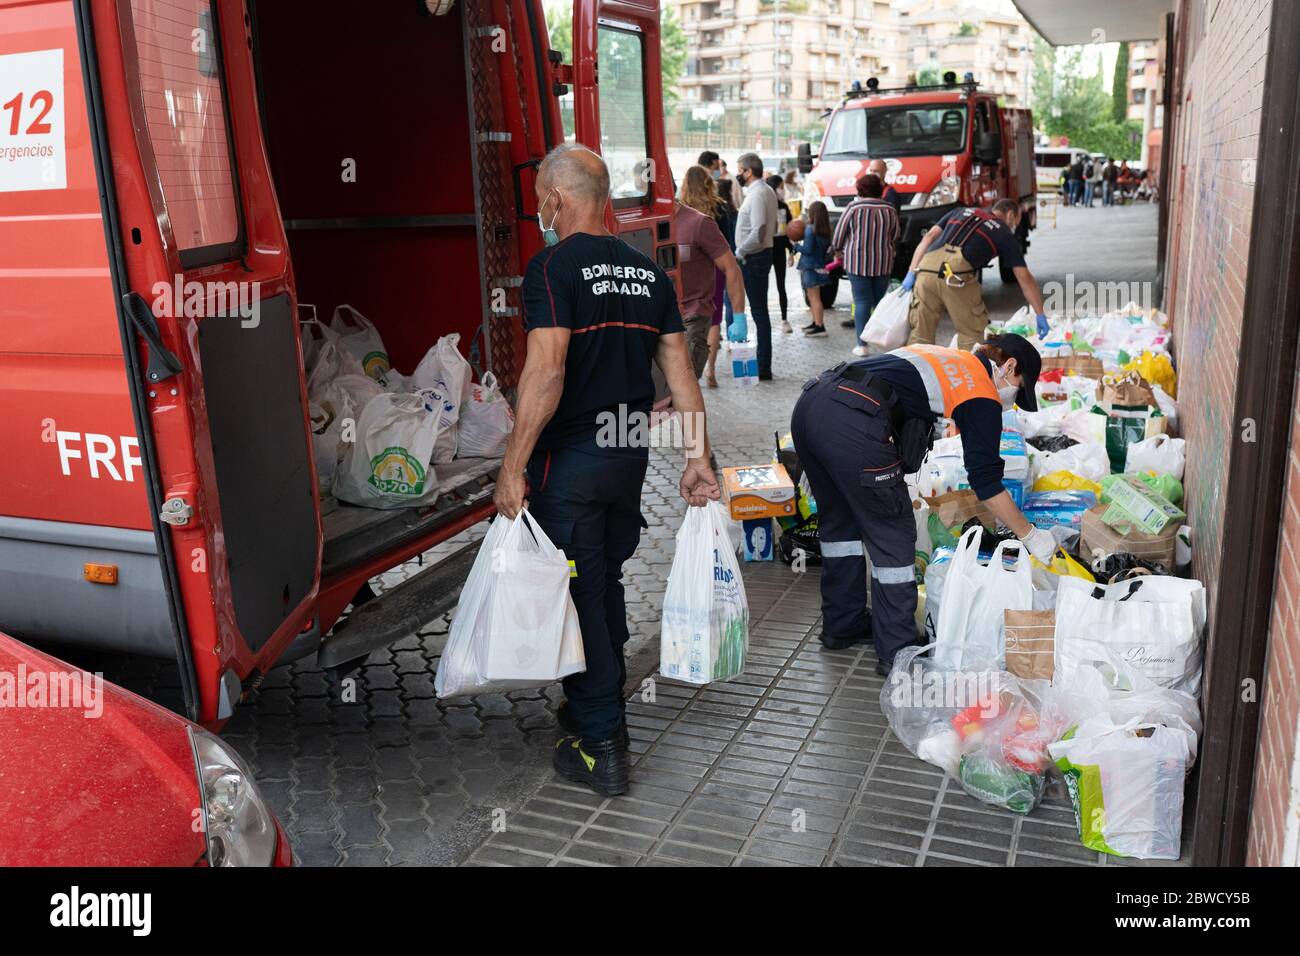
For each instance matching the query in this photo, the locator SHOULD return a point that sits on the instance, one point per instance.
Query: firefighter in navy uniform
(858, 428)
(945, 270)
(598, 313)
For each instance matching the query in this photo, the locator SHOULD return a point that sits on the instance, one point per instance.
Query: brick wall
(1213, 143)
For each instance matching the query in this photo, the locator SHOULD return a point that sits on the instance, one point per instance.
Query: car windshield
(896, 131)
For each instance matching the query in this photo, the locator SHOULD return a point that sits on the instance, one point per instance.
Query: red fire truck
(159, 495)
(944, 146)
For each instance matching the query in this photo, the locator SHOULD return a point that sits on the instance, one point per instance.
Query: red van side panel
(70, 452)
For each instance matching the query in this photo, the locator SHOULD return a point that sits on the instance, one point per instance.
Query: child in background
(814, 256)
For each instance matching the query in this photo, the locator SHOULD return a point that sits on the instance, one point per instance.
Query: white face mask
(1006, 391)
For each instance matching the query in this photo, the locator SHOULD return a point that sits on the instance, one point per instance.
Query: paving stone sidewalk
(791, 764)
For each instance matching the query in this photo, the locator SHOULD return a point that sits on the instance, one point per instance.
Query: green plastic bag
(940, 536)
(998, 783)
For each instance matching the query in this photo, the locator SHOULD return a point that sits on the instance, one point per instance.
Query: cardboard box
(1085, 365)
(958, 507)
(759, 491)
(1030, 643)
(1099, 539)
(1135, 502)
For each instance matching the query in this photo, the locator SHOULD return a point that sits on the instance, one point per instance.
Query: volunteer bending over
(945, 270)
(858, 428)
(597, 314)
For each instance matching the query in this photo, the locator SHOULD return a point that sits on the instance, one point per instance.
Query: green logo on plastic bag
(395, 472)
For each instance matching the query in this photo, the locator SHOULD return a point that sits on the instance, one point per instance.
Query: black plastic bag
(1120, 565)
(1053, 443)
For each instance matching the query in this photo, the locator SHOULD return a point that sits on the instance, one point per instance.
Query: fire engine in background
(159, 494)
(944, 146)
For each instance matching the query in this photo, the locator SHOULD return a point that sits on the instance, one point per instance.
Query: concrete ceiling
(1070, 22)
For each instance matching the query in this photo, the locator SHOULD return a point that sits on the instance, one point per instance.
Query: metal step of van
(396, 613)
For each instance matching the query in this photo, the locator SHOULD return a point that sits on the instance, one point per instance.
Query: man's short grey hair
(577, 171)
(751, 162)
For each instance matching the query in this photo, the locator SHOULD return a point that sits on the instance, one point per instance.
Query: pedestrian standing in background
(712, 162)
(1108, 177)
(781, 249)
(793, 192)
(814, 254)
(1092, 182)
(703, 254)
(755, 234)
(865, 239)
(734, 184)
(730, 212)
(877, 167)
(1075, 183)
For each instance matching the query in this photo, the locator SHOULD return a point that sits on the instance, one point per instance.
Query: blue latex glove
(738, 330)
(1043, 327)
(909, 280)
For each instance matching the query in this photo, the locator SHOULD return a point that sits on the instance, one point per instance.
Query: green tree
(559, 25)
(1119, 86)
(1067, 103)
(672, 56)
(672, 47)
(967, 29)
(928, 75)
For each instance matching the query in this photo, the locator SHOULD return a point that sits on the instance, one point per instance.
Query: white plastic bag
(515, 625)
(936, 574)
(445, 371)
(887, 328)
(1125, 762)
(390, 465)
(1086, 459)
(360, 338)
(444, 368)
(1151, 624)
(705, 629)
(1159, 455)
(970, 616)
(485, 421)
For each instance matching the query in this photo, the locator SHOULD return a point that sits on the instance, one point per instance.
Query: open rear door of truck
(207, 307)
(619, 113)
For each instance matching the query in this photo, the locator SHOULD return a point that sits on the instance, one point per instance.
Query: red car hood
(78, 789)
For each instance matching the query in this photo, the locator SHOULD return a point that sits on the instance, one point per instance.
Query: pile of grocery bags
(1088, 667)
(378, 435)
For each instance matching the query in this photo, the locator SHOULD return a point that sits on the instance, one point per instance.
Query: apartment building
(993, 43)
(1145, 80)
(761, 72)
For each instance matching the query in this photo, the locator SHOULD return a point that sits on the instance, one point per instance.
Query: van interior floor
(354, 533)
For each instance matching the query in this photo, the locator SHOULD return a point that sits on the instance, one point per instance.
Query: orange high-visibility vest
(951, 376)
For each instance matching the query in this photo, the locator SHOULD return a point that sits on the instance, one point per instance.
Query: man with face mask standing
(597, 313)
(859, 428)
(755, 239)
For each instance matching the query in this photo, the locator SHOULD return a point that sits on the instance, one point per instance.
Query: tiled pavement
(792, 763)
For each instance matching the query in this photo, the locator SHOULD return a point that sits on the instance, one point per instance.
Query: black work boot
(601, 765)
(565, 720)
(838, 642)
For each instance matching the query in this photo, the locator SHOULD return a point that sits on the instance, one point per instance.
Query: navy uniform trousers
(589, 505)
(844, 437)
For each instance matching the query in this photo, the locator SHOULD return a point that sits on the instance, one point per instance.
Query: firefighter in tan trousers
(944, 274)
